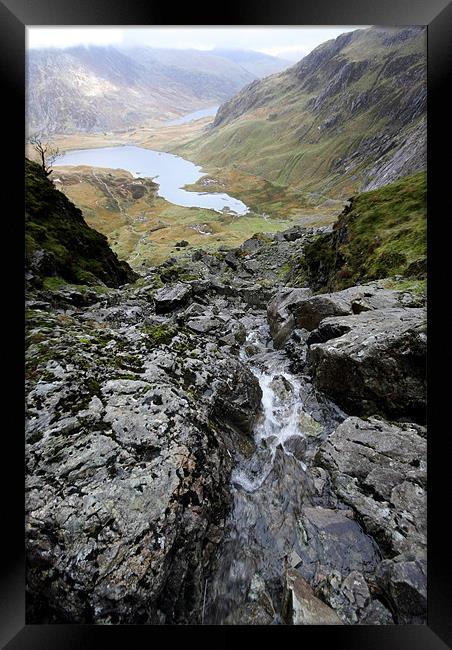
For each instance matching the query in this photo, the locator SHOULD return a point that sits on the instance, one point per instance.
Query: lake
(196, 115)
(171, 172)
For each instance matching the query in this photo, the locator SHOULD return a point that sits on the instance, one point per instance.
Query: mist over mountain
(108, 88)
(257, 63)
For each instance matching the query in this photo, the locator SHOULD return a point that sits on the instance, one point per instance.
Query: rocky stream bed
(211, 446)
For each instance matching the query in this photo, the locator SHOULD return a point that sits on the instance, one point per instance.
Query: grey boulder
(375, 362)
(379, 469)
(170, 298)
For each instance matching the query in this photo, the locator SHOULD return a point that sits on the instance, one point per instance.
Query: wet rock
(170, 298)
(334, 541)
(302, 607)
(377, 363)
(379, 469)
(279, 313)
(282, 388)
(404, 583)
(237, 397)
(296, 445)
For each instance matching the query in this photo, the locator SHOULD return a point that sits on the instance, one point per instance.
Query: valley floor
(144, 231)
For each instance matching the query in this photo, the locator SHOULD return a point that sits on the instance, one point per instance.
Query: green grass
(382, 234)
(158, 334)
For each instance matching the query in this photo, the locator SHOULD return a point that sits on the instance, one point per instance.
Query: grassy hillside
(383, 233)
(349, 114)
(58, 241)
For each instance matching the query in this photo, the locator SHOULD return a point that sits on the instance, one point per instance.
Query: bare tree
(46, 151)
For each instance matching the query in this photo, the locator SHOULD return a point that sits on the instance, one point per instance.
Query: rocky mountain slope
(92, 89)
(215, 445)
(349, 116)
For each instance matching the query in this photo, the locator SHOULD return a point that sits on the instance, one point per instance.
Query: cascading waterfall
(269, 489)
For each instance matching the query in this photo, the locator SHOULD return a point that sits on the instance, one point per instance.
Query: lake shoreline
(170, 171)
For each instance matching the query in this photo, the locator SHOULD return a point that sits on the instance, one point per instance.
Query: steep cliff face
(349, 116)
(60, 244)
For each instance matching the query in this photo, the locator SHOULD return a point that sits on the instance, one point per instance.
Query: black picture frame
(437, 15)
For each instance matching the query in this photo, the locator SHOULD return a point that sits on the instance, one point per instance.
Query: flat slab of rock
(373, 362)
(170, 298)
(310, 312)
(379, 469)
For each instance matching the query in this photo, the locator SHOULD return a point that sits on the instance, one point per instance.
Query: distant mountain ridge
(93, 89)
(349, 116)
(257, 63)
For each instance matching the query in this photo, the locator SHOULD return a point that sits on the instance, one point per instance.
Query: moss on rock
(59, 243)
(382, 233)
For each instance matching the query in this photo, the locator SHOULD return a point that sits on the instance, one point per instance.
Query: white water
(171, 172)
(280, 419)
(263, 524)
(273, 489)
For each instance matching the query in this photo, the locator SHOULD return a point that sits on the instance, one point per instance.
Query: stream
(273, 489)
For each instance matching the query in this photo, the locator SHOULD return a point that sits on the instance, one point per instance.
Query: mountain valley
(226, 414)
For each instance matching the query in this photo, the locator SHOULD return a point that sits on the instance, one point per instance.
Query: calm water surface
(196, 115)
(171, 172)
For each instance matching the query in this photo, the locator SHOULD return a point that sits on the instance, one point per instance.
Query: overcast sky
(287, 42)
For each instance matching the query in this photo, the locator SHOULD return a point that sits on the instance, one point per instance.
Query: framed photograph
(227, 385)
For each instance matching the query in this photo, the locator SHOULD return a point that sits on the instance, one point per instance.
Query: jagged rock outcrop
(373, 362)
(132, 426)
(379, 469)
(292, 308)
